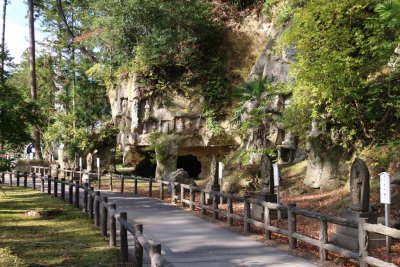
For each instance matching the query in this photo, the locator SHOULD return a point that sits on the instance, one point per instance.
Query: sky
(17, 31)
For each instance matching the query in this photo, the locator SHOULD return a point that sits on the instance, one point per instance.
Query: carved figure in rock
(147, 111)
(359, 186)
(266, 175)
(89, 162)
(134, 114)
(124, 105)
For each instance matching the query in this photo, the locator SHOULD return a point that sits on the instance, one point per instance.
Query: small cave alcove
(190, 164)
(146, 167)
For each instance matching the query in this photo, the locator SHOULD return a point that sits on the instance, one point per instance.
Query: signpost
(386, 199)
(80, 169)
(98, 173)
(276, 184)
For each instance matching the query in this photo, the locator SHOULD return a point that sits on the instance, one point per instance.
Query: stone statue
(147, 111)
(213, 184)
(89, 162)
(266, 175)
(359, 186)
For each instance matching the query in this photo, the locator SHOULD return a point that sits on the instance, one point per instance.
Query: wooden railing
(364, 229)
(188, 195)
(103, 214)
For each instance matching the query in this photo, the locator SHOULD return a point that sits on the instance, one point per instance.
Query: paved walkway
(189, 240)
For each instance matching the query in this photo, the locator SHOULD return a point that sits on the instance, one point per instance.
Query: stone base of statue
(257, 212)
(347, 237)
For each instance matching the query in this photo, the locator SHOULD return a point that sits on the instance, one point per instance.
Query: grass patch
(67, 239)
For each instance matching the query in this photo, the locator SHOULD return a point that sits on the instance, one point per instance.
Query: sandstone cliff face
(139, 113)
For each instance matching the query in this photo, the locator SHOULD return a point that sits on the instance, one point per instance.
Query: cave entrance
(190, 164)
(146, 167)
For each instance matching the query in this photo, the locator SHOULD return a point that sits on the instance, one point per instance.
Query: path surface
(189, 240)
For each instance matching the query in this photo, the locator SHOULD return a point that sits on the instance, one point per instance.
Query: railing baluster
(138, 259)
(124, 237)
(292, 226)
(113, 225)
(104, 216)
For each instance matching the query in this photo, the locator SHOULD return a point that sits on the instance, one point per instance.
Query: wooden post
(49, 184)
(42, 184)
(215, 205)
(71, 192)
(25, 179)
(85, 197)
(155, 254)
(97, 209)
(246, 215)
(111, 182)
(122, 183)
(202, 202)
(362, 242)
(192, 198)
(77, 194)
(138, 259)
(98, 178)
(161, 190)
(104, 216)
(267, 223)
(124, 237)
(173, 193)
(150, 187)
(10, 174)
(17, 178)
(136, 186)
(62, 188)
(323, 239)
(33, 181)
(292, 226)
(91, 203)
(55, 186)
(229, 211)
(113, 225)
(182, 196)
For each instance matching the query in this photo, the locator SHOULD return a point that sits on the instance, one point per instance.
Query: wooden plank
(256, 223)
(327, 218)
(222, 212)
(381, 229)
(306, 239)
(378, 262)
(342, 251)
(237, 217)
(278, 230)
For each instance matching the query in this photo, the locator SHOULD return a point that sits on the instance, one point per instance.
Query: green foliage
(173, 46)
(389, 12)
(259, 93)
(164, 145)
(16, 115)
(342, 47)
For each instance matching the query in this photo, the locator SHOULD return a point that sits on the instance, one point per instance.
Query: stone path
(189, 240)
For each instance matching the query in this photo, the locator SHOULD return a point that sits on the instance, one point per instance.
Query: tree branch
(88, 54)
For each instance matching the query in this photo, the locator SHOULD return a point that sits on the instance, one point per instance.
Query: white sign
(385, 187)
(276, 174)
(98, 162)
(220, 170)
(80, 162)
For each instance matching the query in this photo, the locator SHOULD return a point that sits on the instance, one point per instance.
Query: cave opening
(190, 164)
(146, 167)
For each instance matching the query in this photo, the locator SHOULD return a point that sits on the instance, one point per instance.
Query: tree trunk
(3, 38)
(36, 132)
